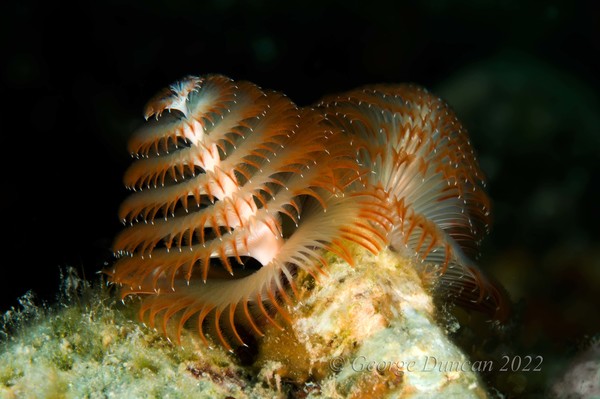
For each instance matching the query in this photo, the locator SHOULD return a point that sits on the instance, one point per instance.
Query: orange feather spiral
(236, 188)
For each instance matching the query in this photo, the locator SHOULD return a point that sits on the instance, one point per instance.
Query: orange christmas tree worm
(236, 189)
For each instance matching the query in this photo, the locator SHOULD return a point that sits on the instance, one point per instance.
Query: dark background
(522, 76)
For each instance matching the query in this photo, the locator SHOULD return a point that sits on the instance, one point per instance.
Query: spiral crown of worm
(237, 189)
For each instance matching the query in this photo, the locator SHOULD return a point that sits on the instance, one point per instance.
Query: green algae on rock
(89, 347)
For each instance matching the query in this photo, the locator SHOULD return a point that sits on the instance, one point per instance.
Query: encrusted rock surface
(361, 331)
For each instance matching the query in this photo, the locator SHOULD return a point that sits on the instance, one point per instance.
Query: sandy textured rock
(370, 329)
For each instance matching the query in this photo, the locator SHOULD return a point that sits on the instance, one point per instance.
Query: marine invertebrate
(237, 188)
(423, 165)
(244, 176)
